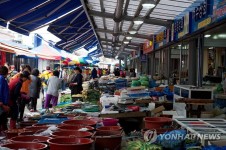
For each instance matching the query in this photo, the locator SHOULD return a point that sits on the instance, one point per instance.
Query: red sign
(147, 47)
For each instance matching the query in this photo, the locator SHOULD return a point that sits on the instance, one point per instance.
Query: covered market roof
(104, 24)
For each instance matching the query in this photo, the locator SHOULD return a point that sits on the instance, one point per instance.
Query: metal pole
(180, 68)
(87, 14)
(199, 63)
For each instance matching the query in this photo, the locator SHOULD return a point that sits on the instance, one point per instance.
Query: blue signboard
(201, 16)
(219, 10)
(162, 38)
(180, 27)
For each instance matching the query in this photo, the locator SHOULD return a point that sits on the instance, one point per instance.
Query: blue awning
(74, 30)
(27, 15)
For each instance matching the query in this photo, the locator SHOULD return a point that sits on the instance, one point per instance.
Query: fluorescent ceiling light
(126, 42)
(133, 31)
(222, 35)
(138, 21)
(207, 35)
(129, 37)
(179, 45)
(210, 47)
(149, 4)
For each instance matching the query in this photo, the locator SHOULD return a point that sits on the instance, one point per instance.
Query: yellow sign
(160, 37)
(204, 23)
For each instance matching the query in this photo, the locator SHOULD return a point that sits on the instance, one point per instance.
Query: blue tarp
(74, 30)
(24, 18)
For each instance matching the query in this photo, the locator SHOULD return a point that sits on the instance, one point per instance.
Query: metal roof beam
(130, 18)
(141, 36)
(135, 44)
(119, 45)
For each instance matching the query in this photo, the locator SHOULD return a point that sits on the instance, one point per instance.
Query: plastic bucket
(74, 128)
(110, 122)
(110, 140)
(36, 139)
(24, 145)
(81, 122)
(157, 122)
(74, 134)
(70, 144)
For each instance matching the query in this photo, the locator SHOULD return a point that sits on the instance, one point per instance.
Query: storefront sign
(204, 23)
(219, 10)
(181, 27)
(147, 47)
(201, 16)
(162, 38)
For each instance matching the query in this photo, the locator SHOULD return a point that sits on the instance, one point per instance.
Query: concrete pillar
(125, 62)
(120, 64)
(192, 71)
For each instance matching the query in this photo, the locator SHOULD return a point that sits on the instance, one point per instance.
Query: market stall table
(190, 103)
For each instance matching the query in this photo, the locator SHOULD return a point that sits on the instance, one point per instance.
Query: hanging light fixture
(129, 37)
(138, 21)
(149, 4)
(132, 31)
(126, 42)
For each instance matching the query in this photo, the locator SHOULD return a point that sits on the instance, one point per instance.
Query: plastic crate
(120, 85)
(137, 95)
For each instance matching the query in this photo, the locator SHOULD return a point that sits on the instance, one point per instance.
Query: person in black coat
(76, 82)
(94, 73)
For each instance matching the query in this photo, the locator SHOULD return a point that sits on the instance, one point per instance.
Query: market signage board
(148, 46)
(201, 16)
(162, 38)
(219, 10)
(180, 27)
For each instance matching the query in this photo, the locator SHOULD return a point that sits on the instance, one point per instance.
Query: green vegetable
(145, 83)
(135, 83)
(144, 78)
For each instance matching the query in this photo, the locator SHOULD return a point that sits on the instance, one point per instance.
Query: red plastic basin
(75, 134)
(36, 139)
(134, 108)
(110, 128)
(80, 122)
(36, 128)
(15, 132)
(74, 128)
(70, 144)
(28, 146)
(157, 122)
(110, 122)
(24, 124)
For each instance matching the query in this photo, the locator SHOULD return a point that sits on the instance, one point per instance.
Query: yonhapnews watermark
(152, 136)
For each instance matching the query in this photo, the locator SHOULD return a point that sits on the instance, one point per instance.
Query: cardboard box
(158, 110)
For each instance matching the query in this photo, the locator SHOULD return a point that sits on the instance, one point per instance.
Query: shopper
(25, 99)
(76, 82)
(64, 79)
(4, 98)
(12, 72)
(35, 88)
(94, 73)
(16, 96)
(53, 87)
(117, 72)
(45, 77)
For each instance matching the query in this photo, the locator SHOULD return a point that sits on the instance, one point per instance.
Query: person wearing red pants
(14, 95)
(53, 87)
